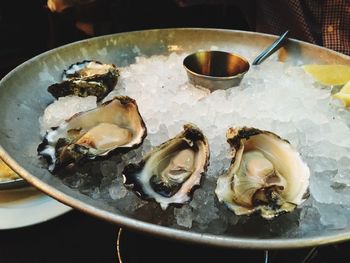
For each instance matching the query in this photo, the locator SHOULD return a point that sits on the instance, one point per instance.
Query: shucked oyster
(86, 78)
(92, 70)
(266, 174)
(116, 124)
(170, 172)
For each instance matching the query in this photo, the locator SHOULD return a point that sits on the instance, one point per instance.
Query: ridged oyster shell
(115, 124)
(266, 175)
(170, 172)
(86, 78)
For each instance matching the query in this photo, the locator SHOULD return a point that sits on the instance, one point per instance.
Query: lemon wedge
(344, 94)
(346, 88)
(329, 74)
(6, 174)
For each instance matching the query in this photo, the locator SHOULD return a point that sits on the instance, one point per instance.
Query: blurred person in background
(32, 27)
(322, 22)
(98, 17)
(29, 28)
(73, 20)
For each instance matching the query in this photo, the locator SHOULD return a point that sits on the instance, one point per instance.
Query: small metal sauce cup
(222, 70)
(215, 69)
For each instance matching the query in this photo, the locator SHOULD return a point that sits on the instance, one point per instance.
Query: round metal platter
(13, 184)
(24, 96)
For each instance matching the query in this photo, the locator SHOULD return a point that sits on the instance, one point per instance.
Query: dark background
(28, 28)
(76, 237)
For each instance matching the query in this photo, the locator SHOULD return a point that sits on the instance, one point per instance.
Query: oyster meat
(86, 78)
(116, 124)
(266, 175)
(170, 172)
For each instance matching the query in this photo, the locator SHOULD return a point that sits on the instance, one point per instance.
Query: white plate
(27, 206)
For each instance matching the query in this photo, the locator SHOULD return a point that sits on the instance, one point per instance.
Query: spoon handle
(271, 49)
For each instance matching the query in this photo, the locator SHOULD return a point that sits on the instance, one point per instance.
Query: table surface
(77, 237)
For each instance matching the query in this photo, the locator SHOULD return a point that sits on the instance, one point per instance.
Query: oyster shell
(116, 124)
(170, 172)
(86, 78)
(266, 175)
(79, 88)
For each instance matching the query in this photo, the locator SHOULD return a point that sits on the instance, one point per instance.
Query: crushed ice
(276, 96)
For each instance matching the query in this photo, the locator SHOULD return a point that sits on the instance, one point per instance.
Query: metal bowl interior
(23, 97)
(213, 69)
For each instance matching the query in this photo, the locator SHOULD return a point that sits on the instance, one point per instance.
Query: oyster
(86, 78)
(170, 172)
(79, 88)
(116, 124)
(266, 174)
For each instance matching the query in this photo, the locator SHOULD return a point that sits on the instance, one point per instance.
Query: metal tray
(23, 97)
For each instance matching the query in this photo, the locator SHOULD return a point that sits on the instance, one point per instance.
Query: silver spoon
(271, 49)
(222, 70)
